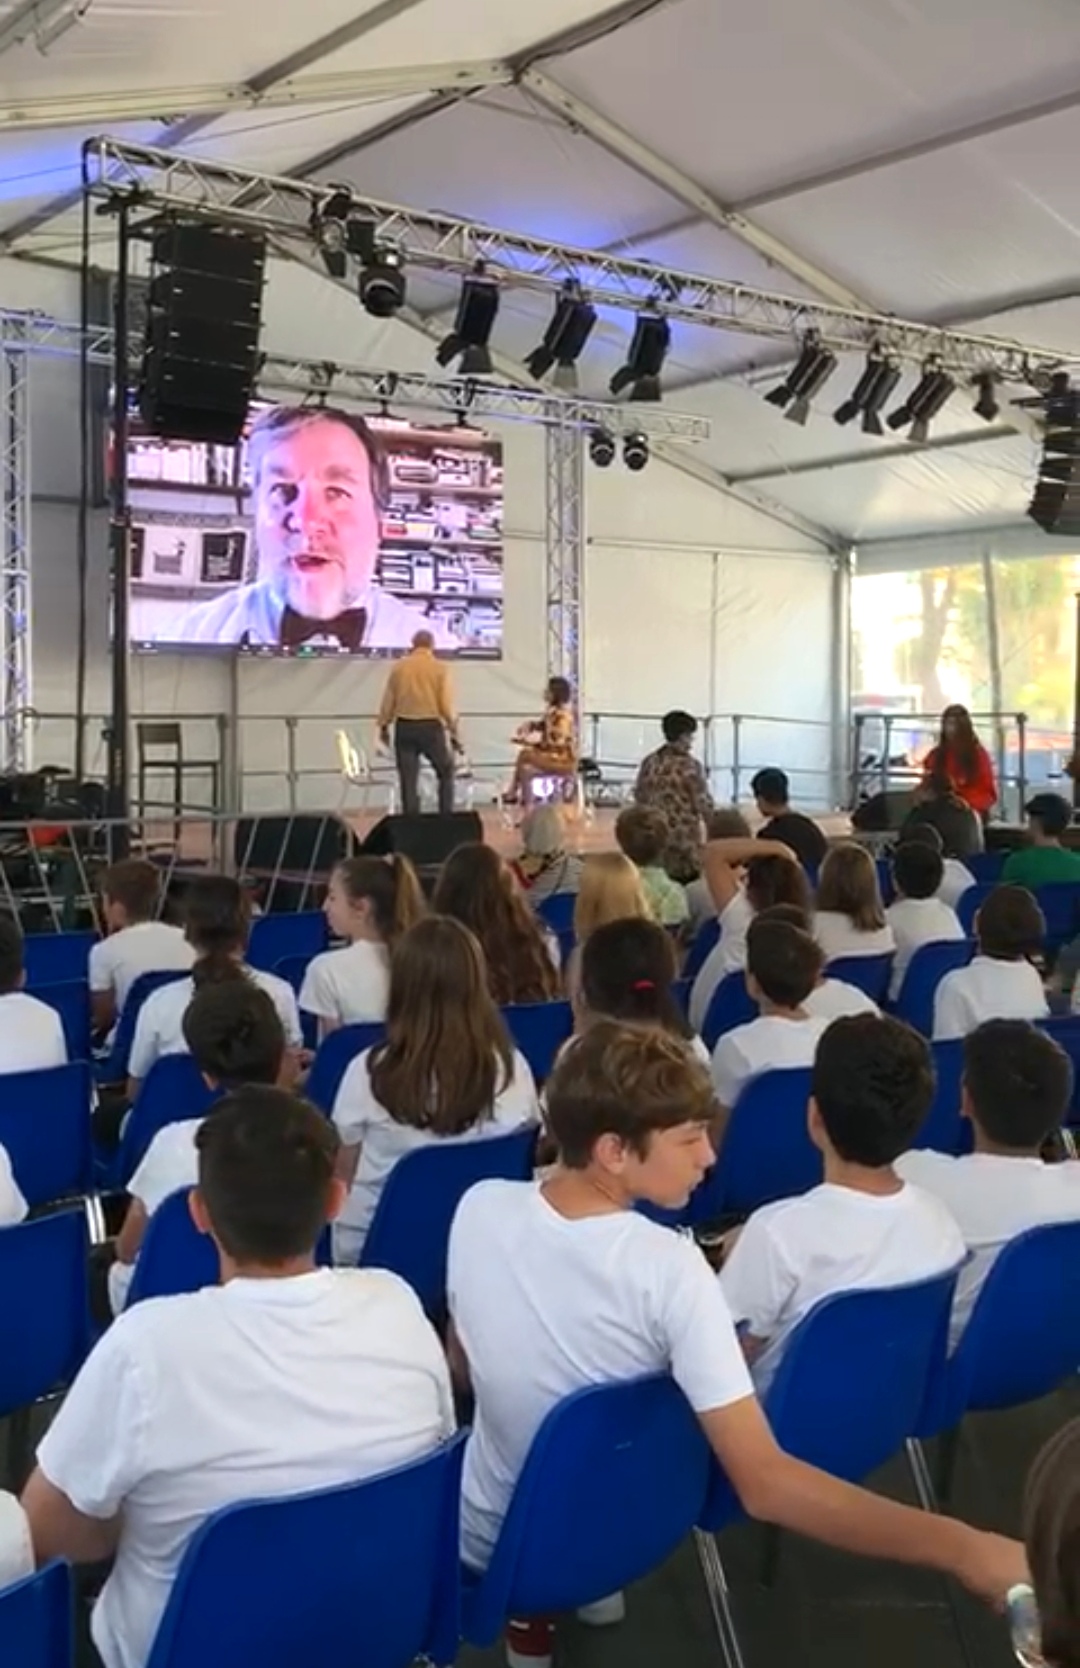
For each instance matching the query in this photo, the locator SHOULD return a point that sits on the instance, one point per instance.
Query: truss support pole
(840, 748)
(15, 687)
(565, 539)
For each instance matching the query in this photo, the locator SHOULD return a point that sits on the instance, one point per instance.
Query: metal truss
(15, 553)
(564, 479)
(282, 208)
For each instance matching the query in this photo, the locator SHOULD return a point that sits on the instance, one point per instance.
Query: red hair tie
(643, 984)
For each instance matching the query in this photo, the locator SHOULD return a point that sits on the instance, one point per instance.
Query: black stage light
(602, 448)
(473, 324)
(635, 451)
(926, 399)
(645, 361)
(381, 283)
(986, 406)
(874, 387)
(813, 368)
(329, 227)
(564, 338)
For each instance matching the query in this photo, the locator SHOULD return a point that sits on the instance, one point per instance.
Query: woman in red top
(961, 757)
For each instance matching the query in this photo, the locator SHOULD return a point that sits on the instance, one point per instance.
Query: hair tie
(643, 984)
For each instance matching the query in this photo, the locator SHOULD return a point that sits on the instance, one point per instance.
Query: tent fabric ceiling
(915, 154)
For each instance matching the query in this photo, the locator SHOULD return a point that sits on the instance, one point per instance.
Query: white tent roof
(913, 156)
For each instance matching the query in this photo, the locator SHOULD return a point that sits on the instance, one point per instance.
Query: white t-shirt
(360, 1119)
(993, 1198)
(728, 955)
(12, 1203)
(769, 1043)
(915, 922)
(838, 936)
(836, 999)
(147, 947)
(31, 1035)
(159, 1028)
(16, 1551)
(955, 881)
(987, 989)
(545, 1305)
(833, 1239)
(350, 986)
(255, 1389)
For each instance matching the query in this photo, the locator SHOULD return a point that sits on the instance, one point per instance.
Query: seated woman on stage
(477, 888)
(371, 901)
(962, 759)
(548, 748)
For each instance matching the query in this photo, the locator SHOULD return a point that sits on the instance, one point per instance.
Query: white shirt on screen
(728, 955)
(987, 989)
(993, 1198)
(915, 922)
(833, 1239)
(147, 947)
(31, 1035)
(955, 882)
(12, 1203)
(545, 1305)
(770, 1043)
(836, 999)
(252, 614)
(350, 986)
(838, 936)
(159, 1028)
(360, 1119)
(251, 1390)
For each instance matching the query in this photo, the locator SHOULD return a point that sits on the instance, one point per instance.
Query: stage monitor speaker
(426, 840)
(883, 813)
(201, 351)
(1055, 503)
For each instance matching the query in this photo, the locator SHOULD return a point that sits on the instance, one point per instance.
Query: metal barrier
(887, 750)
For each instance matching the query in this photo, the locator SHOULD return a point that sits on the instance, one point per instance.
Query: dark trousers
(423, 738)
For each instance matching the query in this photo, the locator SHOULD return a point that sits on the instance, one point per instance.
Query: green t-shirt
(1042, 866)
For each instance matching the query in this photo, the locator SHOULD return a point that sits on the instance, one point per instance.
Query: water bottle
(1025, 1626)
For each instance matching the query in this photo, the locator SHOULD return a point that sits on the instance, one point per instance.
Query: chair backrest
(971, 901)
(44, 1312)
(943, 1130)
(765, 1153)
(557, 912)
(708, 936)
(870, 974)
(731, 1005)
(883, 865)
(367, 1572)
(925, 971)
(153, 734)
(52, 958)
(1059, 903)
(71, 1000)
(351, 761)
(613, 1482)
(410, 1230)
(45, 1128)
(986, 866)
(681, 991)
(37, 1619)
(273, 937)
(292, 970)
(175, 1257)
(333, 1057)
(539, 1030)
(173, 1089)
(115, 1068)
(1065, 1029)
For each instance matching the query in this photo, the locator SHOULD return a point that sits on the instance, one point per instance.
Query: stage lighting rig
(648, 350)
(874, 388)
(473, 324)
(986, 406)
(564, 339)
(933, 389)
(635, 451)
(330, 229)
(602, 448)
(813, 368)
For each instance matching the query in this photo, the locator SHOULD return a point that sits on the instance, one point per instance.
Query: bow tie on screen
(348, 627)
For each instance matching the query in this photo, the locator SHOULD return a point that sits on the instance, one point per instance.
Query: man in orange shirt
(418, 701)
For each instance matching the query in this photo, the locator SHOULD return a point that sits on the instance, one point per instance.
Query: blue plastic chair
(708, 936)
(333, 1057)
(1065, 1029)
(173, 1089)
(45, 1128)
(614, 1481)
(731, 1005)
(175, 1257)
(71, 1001)
(870, 974)
(1060, 905)
(274, 937)
(410, 1231)
(45, 1328)
(54, 958)
(986, 866)
(366, 1572)
(557, 912)
(765, 1152)
(37, 1619)
(293, 969)
(925, 971)
(883, 866)
(681, 991)
(971, 901)
(539, 1030)
(114, 1067)
(943, 1129)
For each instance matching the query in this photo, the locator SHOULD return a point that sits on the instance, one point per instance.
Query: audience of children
(642, 834)
(137, 940)
(446, 1071)
(1017, 1086)
(872, 1086)
(611, 890)
(956, 877)
(31, 1035)
(918, 915)
(1002, 981)
(628, 973)
(849, 918)
(830, 998)
(545, 868)
(371, 902)
(783, 964)
(1045, 861)
(773, 875)
(477, 888)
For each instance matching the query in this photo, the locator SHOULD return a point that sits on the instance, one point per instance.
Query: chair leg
(920, 1474)
(928, 1500)
(716, 1587)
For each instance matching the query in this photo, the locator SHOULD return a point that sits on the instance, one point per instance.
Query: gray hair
(542, 832)
(282, 420)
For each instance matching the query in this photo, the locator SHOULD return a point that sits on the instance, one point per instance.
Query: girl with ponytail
(371, 902)
(628, 972)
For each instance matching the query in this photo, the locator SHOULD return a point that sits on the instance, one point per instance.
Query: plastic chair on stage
(355, 769)
(273, 937)
(45, 1330)
(870, 974)
(614, 1481)
(539, 1030)
(925, 971)
(114, 1067)
(37, 1619)
(53, 958)
(175, 1257)
(71, 1000)
(45, 1129)
(706, 939)
(731, 1006)
(332, 1059)
(174, 1089)
(274, 1583)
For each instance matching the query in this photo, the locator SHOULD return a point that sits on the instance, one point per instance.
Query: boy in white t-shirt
(864, 1227)
(1001, 982)
(956, 877)
(1017, 1086)
(918, 916)
(31, 1035)
(830, 998)
(559, 1284)
(783, 965)
(282, 1379)
(138, 942)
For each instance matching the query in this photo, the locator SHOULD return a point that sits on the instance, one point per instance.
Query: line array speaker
(1055, 505)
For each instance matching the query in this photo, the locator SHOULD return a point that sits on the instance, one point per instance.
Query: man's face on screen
(316, 519)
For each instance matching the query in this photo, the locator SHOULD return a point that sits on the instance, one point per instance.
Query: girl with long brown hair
(850, 918)
(447, 1070)
(371, 902)
(961, 761)
(476, 887)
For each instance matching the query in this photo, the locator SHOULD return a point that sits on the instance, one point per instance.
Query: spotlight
(381, 283)
(329, 228)
(644, 362)
(813, 368)
(564, 338)
(926, 399)
(602, 448)
(477, 307)
(986, 406)
(635, 451)
(870, 393)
